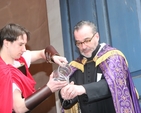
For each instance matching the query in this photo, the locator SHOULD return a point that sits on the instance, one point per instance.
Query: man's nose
(24, 48)
(83, 45)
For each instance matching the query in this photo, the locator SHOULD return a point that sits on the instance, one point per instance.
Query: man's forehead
(84, 29)
(22, 37)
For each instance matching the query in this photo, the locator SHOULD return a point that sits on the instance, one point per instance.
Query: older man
(102, 82)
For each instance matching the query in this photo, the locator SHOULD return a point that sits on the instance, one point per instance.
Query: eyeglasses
(86, 41)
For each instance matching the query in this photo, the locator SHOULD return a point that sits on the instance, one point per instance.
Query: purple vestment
(121, 85)
(117, 75)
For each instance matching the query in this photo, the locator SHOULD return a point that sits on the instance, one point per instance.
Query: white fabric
(101, 46)
(99, 75)
(27, 56)
(15, 87)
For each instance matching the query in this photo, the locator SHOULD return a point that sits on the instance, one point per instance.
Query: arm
(46, 54)
(90, 92)
(97, 90)
(22, 105)
(49, 54)
(36, 55)
(19, 102)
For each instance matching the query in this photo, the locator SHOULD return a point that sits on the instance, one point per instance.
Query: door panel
(124, 30)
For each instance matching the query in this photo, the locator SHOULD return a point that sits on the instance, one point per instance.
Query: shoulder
(108, 52)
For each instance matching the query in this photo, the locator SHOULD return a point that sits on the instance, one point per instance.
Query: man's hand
(55, 85)
(59, 60)
(70, 91)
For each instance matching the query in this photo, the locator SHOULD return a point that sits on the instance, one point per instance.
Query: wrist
(50, 51)
(81, 90)
(49, 87)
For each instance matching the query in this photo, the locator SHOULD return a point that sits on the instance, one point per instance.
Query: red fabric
(8, 75)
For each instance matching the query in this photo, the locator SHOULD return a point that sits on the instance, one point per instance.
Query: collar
(96, 59)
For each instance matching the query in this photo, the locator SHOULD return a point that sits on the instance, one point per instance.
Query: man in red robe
(17, 86)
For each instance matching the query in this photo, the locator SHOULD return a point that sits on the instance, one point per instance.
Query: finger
(72, 95)
(61, 85)
(62, 64)
(66, 89)
(72, 83)
(51, 75)
(65, 60)
(61, 92)
(49, 55)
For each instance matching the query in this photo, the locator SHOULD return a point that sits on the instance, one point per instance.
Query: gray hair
(80, 24)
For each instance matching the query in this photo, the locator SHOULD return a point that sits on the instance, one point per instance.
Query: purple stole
(121, 85)
(117, 75)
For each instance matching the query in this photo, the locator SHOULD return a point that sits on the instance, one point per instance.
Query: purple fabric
(120, 83)
(73, 70)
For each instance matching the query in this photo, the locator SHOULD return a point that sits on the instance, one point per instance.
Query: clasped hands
(71, 90)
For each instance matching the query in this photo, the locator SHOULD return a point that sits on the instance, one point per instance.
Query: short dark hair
(11, 31)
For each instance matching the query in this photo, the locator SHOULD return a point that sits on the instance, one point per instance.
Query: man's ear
(5, 42)
(97, 35)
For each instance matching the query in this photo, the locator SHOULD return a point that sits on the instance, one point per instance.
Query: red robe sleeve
(9, 75)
